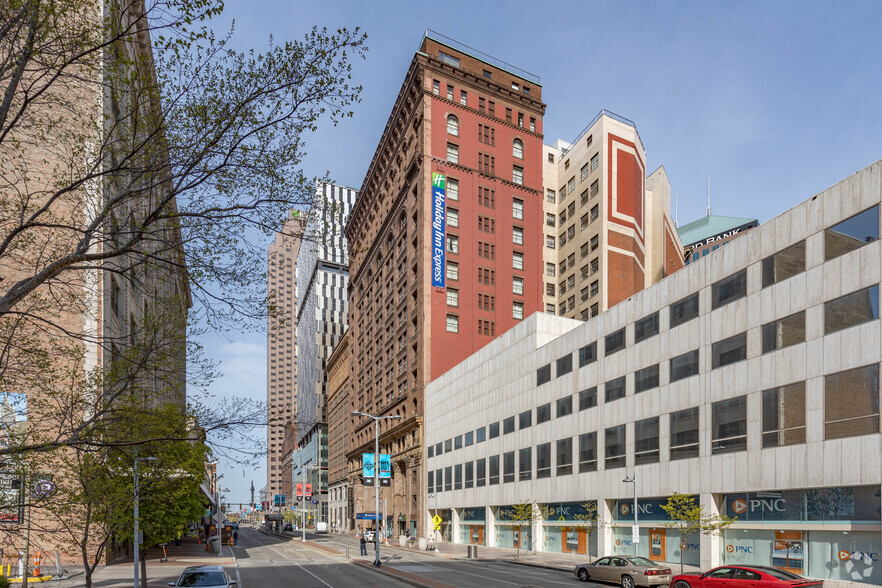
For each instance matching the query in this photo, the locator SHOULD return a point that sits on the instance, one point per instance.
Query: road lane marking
(479, 576)
(313, 575)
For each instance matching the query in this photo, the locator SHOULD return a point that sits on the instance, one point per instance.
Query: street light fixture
(137, 538)
(435, 496)
(377, 419)
(635, 530)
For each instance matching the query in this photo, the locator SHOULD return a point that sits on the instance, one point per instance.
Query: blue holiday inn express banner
(438, 229)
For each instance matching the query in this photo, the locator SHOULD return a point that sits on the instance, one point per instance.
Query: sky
(771, 102)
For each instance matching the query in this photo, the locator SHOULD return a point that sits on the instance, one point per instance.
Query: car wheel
(583, 575)
(681, 584)
(627, 582)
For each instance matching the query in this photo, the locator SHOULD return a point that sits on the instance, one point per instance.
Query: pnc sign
(863, 556)
(739, 505)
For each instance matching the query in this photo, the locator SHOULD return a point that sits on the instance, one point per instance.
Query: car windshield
(781, 574)
(642, 561)
(202, 579)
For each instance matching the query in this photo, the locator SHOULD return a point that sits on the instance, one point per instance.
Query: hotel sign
(438, 229)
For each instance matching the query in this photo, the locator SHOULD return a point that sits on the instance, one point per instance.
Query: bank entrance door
(657, 544)
(476, 535)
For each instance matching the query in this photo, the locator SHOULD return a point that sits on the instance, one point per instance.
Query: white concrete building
(749, 379)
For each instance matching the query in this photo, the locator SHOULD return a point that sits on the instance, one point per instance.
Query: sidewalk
(538, 559)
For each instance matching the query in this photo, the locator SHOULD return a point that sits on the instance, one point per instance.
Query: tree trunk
(682, 549)
(143, 568)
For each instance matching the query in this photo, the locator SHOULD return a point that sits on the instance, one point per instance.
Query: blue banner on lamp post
(438, 229)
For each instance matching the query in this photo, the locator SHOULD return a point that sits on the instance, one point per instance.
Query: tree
(588, 520)
(522, 515)
(689, 518)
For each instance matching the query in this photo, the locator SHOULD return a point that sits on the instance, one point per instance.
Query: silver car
(204, 577)
(629, 571)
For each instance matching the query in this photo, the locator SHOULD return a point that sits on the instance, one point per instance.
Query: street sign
(635, 533)
(436, 520)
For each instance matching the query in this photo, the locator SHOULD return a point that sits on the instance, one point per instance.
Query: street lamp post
(435, 496)
(137, 539)
(635, 529)
(377, 420)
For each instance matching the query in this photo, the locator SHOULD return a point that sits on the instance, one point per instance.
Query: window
(517, 311)
(851, 403)
(448, 59)
(520, 119)
(508, 467)
(646, 379)
(549, 269)
(517, 286)
(587, 354)
(588, 452)
(452, 122)
(543, 374)
(595, 161)
(493, 461)
(494, 430)
(452, 189)
(481, 477)
(543, 413)
(549, 309)
(564, 406)
(571, 185)
(549, 194)
(457, 442)
(525, 463)
(532, 119)
(469, 474)
(452, 153)
(784, 264)
(517, 236)
(525, 420)
(645, 327)
(550, 241)
(480, 435)
(784, 415)
(729, 289)
(431, 453)
(430, 480)
(517, 209)
(852, 233)
(452, 270)
(784, 332)
(550, 289)
(543, 461)
(463, 97)
(684, 366)
(488, 74)
(565, 364)
(449, 92)
(508, 425)
(452, 243)
(469, 438)
(728, 351)
(517, 261)
(452, 323)
(595, 212)
(517, 149)
(615, 447)
(684, 433)
(565, 457)
(481, 104)
(439, 449)
(729, 429)
(613, 342)
(448, 478)
(851, 310)
(684, 310)
(595, 242)
(517, 175)
(595, 188)
(508, 114)
(646, 441)
(588, 398)
(452, 297)
(614, 389)
(584, 171)
(436, 87)
(567, 164)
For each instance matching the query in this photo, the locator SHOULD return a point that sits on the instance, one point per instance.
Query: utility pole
(252, 493)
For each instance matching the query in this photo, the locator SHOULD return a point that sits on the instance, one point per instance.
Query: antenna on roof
(676, 209)
(708, 197)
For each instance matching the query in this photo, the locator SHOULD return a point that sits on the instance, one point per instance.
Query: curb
(537, 565)
(401, 576)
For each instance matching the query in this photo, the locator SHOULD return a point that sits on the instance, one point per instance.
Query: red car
(743, 577)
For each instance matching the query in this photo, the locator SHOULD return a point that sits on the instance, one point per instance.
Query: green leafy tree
(523, 514)
(588, 520)
(689, 518)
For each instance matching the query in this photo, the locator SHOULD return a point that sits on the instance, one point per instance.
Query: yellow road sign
(437, 521)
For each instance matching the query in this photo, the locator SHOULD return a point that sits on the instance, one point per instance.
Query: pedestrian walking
(235, 537)
(178, 539)
(363, 545)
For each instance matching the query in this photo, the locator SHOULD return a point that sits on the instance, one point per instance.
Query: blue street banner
(385, 465)
(367, 465)
(439, 182)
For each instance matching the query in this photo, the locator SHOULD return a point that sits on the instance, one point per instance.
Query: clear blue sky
(774, 101)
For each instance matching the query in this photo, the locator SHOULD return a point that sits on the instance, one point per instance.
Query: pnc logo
(730, 549)
(619, 542)
(858, 556)
(626, 509)
(739, 505)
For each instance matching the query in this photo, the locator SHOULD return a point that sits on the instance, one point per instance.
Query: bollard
(37, 560)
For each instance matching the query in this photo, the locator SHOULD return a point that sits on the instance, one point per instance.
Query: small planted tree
(689, 518)
(588, 521)
(522, 515)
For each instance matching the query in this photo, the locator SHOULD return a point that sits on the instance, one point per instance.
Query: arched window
(452, 125)
(517, 148)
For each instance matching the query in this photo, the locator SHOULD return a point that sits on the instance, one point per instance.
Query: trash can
(214, 543)
(472, 552)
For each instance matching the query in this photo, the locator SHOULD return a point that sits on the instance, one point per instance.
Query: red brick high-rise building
(438, 272)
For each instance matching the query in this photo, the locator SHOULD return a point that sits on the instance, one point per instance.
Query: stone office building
(749, 379)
